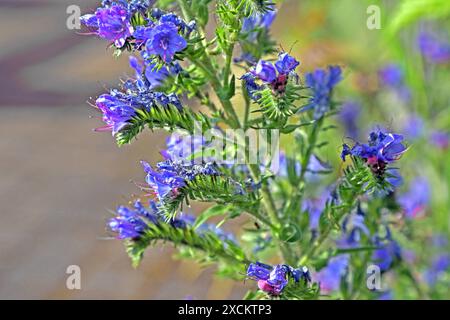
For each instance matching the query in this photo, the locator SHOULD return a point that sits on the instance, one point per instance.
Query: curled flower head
(164, 41)
(131, 223)
(112, 23)
(169, 176)
(116, 112)
(321, 83)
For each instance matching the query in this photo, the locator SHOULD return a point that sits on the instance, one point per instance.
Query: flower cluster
(273, 280)
(273, 75)
(119, 107)
(382, 149)
(162, 35)
(170, 176)
(132, 223)
(321, 83)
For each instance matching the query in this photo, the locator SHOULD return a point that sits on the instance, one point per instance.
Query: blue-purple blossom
(132, 223)
(433, 49)
(413, 127)
(117, 112)
(111, 23)
(440, 139)
(389, 252)
(354, 228)
(253, 28)
(349, 117)
(440, 265)
(391, 76)
(273, 280)
(265, 71)
(273, 75)
(382, 149)
(329, 278)
(154, 75)
(164, 41)
(415, 201)
(286, 63)
(169, 176)
(321, 83)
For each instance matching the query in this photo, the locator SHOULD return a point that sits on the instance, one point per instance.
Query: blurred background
(59, 178)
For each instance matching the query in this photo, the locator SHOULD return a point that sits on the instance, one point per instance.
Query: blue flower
(265, 71)
(389, 251)
(164, 182)
(286, 63)
(433, 49)
(415, 201)
(321, 83)
(273, 280)
(117, 112)
(131, 224)
(112, 23)
(349, 117)
(382, 149)
(254, 28)
(251, 86)
(275, 76)
(164, 41)
(154, 75)
(329, 278)
(391, 75)
(439, 266)
(440, 139)
(354, 228)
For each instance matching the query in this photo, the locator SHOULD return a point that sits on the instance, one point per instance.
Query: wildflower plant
(309, 225)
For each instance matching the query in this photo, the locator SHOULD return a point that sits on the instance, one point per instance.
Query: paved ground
(58, 178)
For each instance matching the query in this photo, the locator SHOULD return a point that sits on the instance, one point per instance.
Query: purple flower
(440, 139)
(117, 112)
(254, 30)
(415, 201)
(329, 278)
(383, 148)
(170, 176)
(274, 279)
(321, 83)
(265, 71)
(112, 23)
(388, 253)
(354, 228)
(154, 75)
(391, 75)
(164, 41)
(251, 86)
(413, 127)
(131, 224)
(286, 63)
(433, 49)
(164, 182)
(349, 117)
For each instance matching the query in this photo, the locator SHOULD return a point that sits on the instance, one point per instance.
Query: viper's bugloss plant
(312, 229)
